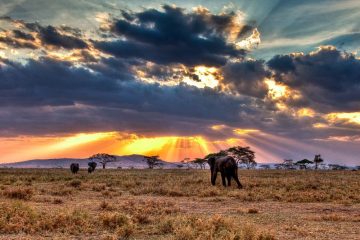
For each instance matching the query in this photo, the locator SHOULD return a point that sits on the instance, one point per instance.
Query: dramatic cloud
(175, 36)
(327, 79)
(30, 35)
(247, 77)
(50, 35)
(49, 83)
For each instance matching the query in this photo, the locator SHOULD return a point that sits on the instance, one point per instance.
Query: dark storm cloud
(282, 63)
(173, 36)
(328, 79)
(63, 37)
(247, 77)
(50, 84)
(15, 43)
(23, 35)
(50, 35)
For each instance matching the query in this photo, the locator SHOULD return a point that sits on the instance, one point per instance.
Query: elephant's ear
(211, 161)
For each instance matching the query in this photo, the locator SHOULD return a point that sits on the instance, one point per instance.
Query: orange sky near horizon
(82, 145)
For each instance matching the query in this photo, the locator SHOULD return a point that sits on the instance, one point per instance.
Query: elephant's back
(227, 162)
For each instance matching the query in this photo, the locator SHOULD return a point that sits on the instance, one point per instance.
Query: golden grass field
(178, 204)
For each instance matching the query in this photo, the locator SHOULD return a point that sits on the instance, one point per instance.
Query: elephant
(74, 167)
(92, 166)
(227, 167)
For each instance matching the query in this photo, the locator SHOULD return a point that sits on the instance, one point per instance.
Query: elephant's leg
(228, 176)
(223, 179)
(235, 175)
(213, 177)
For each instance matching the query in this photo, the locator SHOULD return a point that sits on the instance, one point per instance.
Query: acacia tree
(152, 161)
(288, 164)
(187, 162)
(318, 160)
(221, 153)
(201, 162)
(243, 155)
(304, 163)
(102, 158)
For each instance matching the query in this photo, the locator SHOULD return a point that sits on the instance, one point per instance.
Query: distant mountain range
(129, 161)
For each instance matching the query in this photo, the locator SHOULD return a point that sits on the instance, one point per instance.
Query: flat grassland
(178, 204)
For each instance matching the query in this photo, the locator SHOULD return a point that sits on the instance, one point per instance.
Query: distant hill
(129, 161)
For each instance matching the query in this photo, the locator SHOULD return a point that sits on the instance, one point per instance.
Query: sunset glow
(353, 117)
(207, 77)
(179, 79)
(276, 90)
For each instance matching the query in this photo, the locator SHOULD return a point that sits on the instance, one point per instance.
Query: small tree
(103, 158)
(152, 161)
(265, 166)
(288, 164)
(179, 166)
(243, 155)
(222, 153)
(337, 167)
(304, 163)
(187, 162)
(317, 160)
(201, 162)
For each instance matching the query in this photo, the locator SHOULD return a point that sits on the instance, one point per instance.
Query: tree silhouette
(304, 163)
(317, 160)
(187, 162)
(201, 162)
(152, 161)
(288, 164)
(103, 158)
(242, 155)
(221, 153)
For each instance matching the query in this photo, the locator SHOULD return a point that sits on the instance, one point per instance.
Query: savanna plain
(178, 204)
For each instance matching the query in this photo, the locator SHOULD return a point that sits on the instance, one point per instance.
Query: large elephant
(227, 167)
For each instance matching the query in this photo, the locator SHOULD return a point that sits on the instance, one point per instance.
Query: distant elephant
(74, 167)
(227, 167)
(92, 166)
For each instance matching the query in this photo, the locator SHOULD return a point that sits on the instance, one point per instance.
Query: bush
(114, 220)
(253, 211)
(75, 183)
(23, 193)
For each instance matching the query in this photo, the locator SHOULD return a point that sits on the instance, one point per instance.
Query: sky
(180, 79)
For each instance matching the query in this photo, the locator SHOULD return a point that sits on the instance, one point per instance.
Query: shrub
(23, 193)
(105, 206)
(114, 220)
(58, 201)
(253, 211)
(17, 217)
(166, 226)
(75, 183)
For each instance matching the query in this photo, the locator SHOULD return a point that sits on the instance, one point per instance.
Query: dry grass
(178, 204)
(23, 193)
